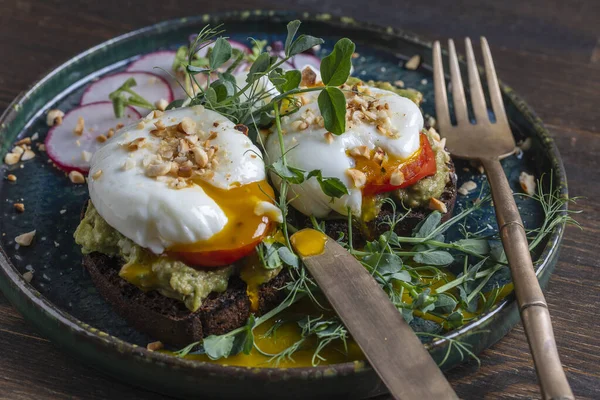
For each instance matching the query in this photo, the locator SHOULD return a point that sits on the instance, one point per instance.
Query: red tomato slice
(220, 258)
(417, 167)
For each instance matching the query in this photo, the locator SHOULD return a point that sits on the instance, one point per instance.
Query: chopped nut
(361, 151)
(76, 177)
(379, 155)
(437, 205)
(309, 77)
(184, 171)
(213, 135)
(54, 117)
(86, 156)
(328, 137)
(158, 169)
(242, 128)
(23, 141)
(269, 210)
(154, 346)
(97, 174)
(140, 125)
(11, 158)
(466, 187)
(135, 144)
(119, 125)
(187, 126)
(399, 83)
(18, 150)
(25, 239)
(129, 163)
(183, 146)
(11, 178)
(101, 138)
(200, 156)
(110, 133)
(161, 104)
(381, 129)
(20, 207)
(527, 183)
(299, 125)
(35, 136)
(397, 178)
(413, 63)
(28, 276)
(358, 177)
(160, 124)
(434, 134)
(79, 127)
(41, 147)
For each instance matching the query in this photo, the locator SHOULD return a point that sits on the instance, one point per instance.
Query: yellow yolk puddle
(253, 273)
(308, 242)
(243, 226)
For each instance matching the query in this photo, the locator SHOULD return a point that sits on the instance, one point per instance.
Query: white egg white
(309, 149)
(147, 210)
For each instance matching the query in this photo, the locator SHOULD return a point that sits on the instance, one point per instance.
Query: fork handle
(532, 304)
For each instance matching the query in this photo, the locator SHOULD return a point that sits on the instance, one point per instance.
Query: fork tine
(439, 83)
(458, 93)
(477, 98)
(492, 79)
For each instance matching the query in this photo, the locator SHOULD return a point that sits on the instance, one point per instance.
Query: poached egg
(185, 181)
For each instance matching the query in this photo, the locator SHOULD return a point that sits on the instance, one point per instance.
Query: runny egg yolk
(308, 242)
(243, 231)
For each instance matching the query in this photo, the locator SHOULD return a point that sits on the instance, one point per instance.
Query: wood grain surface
(547, 50)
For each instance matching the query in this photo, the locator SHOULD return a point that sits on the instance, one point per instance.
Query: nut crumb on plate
(20, 207)
(79, 127)
(25, 239)
(154, 346)
(437, 205)
(76, 177)
(413, 62)
(466, 187)
(28, 276)
(27, 155)
(54, 117)
(527, 183)
(11, 178)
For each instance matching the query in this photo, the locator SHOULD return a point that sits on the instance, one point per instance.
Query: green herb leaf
(268, 254)
(455, 319)
(244, 340)
(175, 104)
(221, 52)
(218, 346)
(292, 80)
(292, 29)
(407, 314)
(445, 303)
(479, 246)
(424, 301)
(210, 95)
(332, 187)
(289, 174)
(223, 89)
(335, 68)
(426, 227)
(288, 257)
(436, 257)
(259, 67)
(303, 43)
(332, 104)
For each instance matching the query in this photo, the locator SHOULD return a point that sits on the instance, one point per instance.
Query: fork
(488, 143)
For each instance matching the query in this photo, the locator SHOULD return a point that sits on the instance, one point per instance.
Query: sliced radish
(161, 64)
(299, 61)
(70, 151)
(150, 86)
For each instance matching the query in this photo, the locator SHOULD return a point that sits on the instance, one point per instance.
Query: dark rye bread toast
(169, 321)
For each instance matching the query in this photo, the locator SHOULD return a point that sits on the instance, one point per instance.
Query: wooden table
(547, 50)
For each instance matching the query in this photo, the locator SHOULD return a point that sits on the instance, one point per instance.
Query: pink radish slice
(299, 61)
(159, 63)
(150, 86)
(66, 148)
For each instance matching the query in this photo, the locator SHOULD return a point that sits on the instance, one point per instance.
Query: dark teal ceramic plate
(62, 302)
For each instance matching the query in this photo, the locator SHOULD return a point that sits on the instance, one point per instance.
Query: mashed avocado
(146, 270)
(418, 195)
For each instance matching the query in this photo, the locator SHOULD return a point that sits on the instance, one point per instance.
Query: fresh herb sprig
(125, 96)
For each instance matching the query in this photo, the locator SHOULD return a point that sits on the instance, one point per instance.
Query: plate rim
(14, 285)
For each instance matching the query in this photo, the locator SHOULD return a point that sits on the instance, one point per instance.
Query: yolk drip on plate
(243, 231)
(308, 242)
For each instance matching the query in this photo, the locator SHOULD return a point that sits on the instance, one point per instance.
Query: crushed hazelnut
(129, 163)
(79, 127)
(76, 177)
(135, 144)
(28, 276)
(18, 150)
(361, 151)
(200, 156)
(101, 138)
(309, 77)
(158, 169)
(161, 104)
(299, 125)
(399, 83)
(379, 155)
(54, 117)
(358, 177)
(154, 346)
(97, 174)
(413, 62)
(187, 126)
(20, 207)
(397, 178)
(466, 187)
(269, 210)
(328, 137)
(242, 128)
(119, 125)
(26, 140)
(140, 125)
(86, 156)
(160, 124)
(527, 183)
(110, 133)
(35, 136)
(41, 147)
(25, 239)
(11, 158)
(11, 178)
(437, 205)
